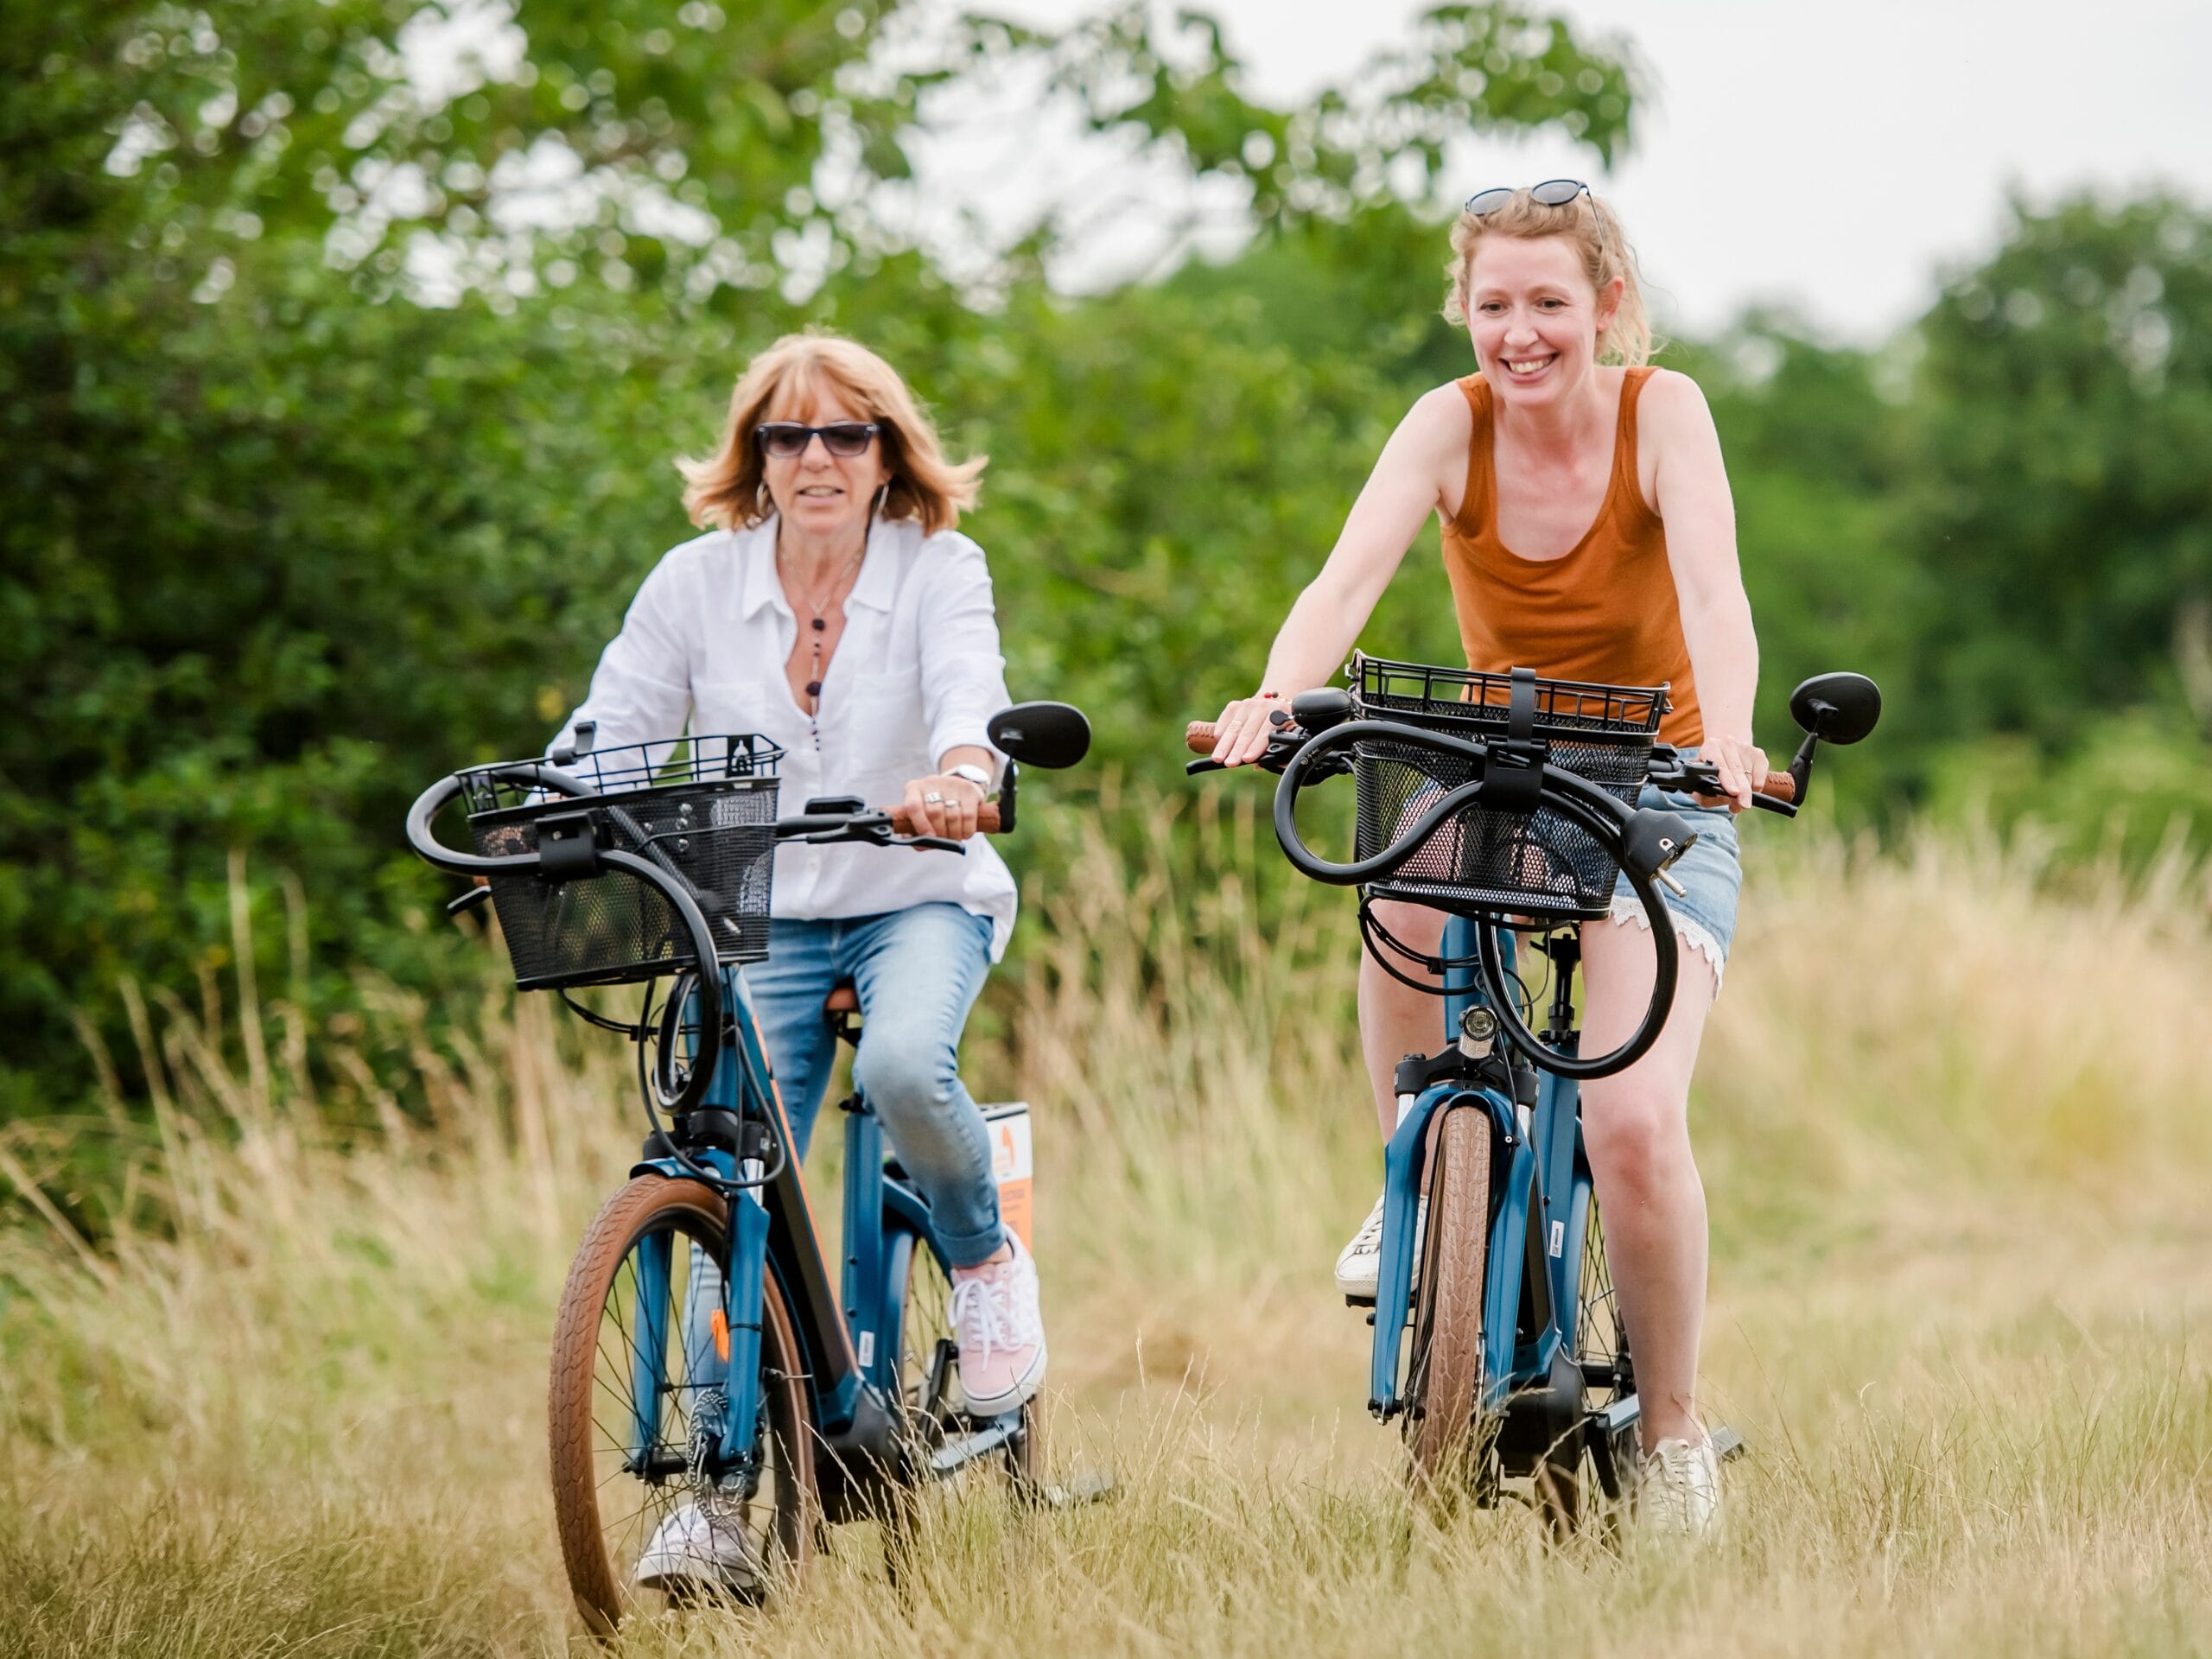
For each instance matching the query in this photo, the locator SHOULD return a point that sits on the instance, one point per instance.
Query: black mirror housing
(1837, 707)
(1049, 735)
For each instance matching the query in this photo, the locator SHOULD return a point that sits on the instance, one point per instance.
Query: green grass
(295, 1406)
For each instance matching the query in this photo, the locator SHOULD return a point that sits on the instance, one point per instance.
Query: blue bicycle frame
(851, 1342)
(1538, 1219)
(852, 1372)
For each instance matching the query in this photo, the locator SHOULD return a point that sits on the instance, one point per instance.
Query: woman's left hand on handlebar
(1740, 765)
(1240, 734)
(943, 805)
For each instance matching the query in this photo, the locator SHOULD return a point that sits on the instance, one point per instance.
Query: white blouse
(917, 673)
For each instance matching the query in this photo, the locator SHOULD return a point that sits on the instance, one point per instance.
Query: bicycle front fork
(719, 1331)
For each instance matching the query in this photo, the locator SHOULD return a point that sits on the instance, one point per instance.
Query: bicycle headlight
(1477, 1032)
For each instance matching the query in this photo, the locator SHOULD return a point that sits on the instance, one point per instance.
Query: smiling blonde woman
(1588, 534)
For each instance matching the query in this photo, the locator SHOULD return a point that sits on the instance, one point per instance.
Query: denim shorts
(1711, 874)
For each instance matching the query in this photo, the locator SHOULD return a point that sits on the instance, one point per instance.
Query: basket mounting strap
(1513, 781)
(1520, 706)
(568, 845)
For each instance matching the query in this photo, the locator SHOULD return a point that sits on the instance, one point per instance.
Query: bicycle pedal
(1728, 1444)
(1359, 1302)
(1092, 1486)
(991, 1434)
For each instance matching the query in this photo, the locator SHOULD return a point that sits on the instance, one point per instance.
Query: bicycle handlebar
(877, 827)
(435, 800)
(676, 892)
(1645, 840)
(1839, 708)
(1668, 770)
(987, 819)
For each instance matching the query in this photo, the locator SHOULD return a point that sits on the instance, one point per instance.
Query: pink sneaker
(1001, 1334)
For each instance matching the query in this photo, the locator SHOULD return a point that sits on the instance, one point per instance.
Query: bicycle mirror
(1837, 707)
(1048, 734)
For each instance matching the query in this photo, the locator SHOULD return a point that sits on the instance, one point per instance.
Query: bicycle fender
(1402, 1161)
(715, 1158)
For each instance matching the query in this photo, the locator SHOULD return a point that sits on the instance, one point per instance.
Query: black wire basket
(703, 809)
(1481, 860)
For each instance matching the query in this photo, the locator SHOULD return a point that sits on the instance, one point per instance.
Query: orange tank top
(1605, 610)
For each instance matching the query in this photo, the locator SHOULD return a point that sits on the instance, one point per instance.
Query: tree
(282, 537)
(2063, 504)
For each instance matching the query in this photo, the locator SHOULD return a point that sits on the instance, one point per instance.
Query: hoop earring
(882, 494)
(763, 503)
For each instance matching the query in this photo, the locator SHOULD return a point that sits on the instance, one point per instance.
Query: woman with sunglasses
(832, 606)
(1588, 534)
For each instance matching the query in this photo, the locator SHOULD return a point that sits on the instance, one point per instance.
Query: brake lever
(467, 901)
(1285, 743)
(934, 844)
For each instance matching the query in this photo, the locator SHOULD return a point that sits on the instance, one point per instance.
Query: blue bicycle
(1510, 802)
(713, 1400)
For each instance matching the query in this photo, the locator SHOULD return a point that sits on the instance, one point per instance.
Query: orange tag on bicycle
(1013, 1165)
(720, 1323)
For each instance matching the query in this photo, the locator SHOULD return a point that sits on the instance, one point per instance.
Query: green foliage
(2064, 504)
(331, 458)
(2138, 786)
(282, 542)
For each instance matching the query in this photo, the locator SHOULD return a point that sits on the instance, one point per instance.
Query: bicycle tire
(589, 1403)
(1444, 1371)
(924, 1323)
(1569, 1486)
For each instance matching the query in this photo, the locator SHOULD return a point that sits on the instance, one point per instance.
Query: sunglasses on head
(786, 440)
(1552, 192)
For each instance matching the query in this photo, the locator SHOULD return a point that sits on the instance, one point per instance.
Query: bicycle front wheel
(635, 1415)
(1444, 1383)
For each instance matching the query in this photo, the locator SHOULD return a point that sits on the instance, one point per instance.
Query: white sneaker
(1360, 1263)
(1001, 1331)
(691, 1550)
(1679, 1495)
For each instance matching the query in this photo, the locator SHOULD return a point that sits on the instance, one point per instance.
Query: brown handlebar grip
(1199, 735)
(986, 820)
(1780, 786)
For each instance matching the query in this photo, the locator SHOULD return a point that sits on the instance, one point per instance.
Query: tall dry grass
(1953, 1120)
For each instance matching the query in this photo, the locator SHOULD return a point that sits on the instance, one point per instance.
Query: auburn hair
(729, 488)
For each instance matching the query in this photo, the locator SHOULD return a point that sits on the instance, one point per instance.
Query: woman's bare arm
(1428, 448)
(1691, 482)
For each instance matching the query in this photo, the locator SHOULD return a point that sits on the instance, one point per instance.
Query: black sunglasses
(1552, 192)
(785, 440)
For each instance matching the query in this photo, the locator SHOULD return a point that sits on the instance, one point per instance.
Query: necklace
(817, 613)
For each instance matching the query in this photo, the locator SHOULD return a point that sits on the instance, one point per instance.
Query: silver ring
(933, 798)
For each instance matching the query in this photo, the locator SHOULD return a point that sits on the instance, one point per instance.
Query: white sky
(1833, 157)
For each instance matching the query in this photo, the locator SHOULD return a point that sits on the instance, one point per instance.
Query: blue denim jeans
(918, 971)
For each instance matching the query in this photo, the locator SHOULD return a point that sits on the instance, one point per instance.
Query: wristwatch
(975, 775)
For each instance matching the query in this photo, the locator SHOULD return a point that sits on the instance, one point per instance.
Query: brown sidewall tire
(1446, 1367)
(594, 1577)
